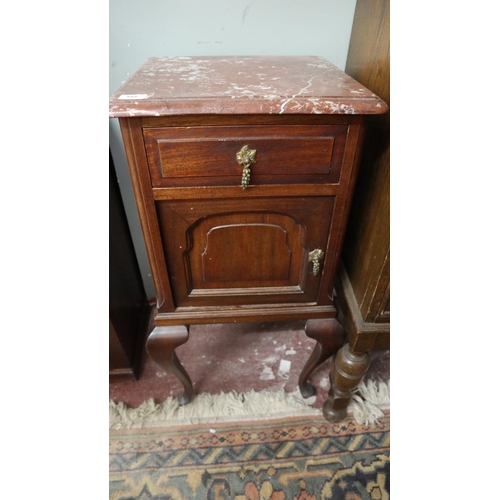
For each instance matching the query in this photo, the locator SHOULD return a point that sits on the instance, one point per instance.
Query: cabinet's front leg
(161, 345)
(347, 373)
(329, 335)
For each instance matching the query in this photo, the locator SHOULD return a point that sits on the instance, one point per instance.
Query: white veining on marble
(309, 83)
(228, 85)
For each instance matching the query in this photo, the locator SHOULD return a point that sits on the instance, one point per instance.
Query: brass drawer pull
(245, 157)
(315, 256)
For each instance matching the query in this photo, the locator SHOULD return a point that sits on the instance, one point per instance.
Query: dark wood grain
(363, 336)
(188, 229)
(329, 335)
(348, 371)
(364, 274)
(161, 345)
(366, 247)
(206, 156)
(236, 120)
(128, 305)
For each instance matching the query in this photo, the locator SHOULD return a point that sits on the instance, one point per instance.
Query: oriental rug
(294, 458)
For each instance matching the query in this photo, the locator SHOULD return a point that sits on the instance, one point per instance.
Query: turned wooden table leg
(347, 373)
(329, 335)
(161, 345)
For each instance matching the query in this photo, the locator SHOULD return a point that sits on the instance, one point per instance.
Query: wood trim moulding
(236, 314)
(363, 336)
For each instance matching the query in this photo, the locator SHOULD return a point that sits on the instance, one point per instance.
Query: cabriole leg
(329, 335)
(161, 345)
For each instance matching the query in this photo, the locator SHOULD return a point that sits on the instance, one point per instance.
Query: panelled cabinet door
(245, 251)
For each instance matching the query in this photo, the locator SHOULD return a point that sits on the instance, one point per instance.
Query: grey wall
(140, 29)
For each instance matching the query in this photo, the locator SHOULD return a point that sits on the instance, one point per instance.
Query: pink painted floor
(239, 357)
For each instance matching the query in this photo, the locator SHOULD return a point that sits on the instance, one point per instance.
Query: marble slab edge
(360, 106)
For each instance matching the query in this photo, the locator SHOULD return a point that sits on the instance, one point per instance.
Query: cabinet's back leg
(329, 335)
(161, 346)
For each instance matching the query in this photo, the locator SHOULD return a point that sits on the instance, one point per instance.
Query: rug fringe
(205, 407)
(367, 403)
(365, 406)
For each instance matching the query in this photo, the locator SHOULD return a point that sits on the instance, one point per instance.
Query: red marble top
(242, 85)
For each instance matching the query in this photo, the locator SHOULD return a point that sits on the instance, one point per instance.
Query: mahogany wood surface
(348, 371)
(153, 224)
(329, 335)
(366, 249)
(221, 253)
(364, 275)
(128, 305)
(206, 156)
(161, 345)
(120, 364)
(363, 336)
(211, 250)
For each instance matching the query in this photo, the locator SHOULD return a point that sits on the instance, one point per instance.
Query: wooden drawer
(206, 156)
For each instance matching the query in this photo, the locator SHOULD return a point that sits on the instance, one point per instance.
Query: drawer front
(207, 156)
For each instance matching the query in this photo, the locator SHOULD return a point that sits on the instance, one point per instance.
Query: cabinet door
(253, 251)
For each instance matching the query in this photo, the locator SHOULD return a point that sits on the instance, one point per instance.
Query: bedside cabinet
(243, 171)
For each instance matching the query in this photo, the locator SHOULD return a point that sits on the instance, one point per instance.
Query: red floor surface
(239, 357)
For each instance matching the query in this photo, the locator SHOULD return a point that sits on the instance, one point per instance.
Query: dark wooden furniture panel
(363, 284)
(128, 306)
(212, 253)
(205, 156)
(366, 255)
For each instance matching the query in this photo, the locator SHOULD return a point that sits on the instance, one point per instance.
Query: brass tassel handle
(245, 157)
(315, 256)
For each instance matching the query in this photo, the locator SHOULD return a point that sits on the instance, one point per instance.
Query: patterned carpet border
(300, 458)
